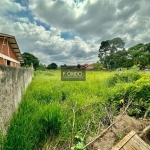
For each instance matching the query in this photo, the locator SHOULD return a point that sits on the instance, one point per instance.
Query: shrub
(137, 92)
(122, 77)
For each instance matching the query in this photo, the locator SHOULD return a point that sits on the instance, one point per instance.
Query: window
(8, 63)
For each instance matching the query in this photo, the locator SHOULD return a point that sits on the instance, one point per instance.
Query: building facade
(10, 54)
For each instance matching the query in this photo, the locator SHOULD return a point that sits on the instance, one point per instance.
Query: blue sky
(70, 31)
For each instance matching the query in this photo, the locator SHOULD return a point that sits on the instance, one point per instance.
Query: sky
(70, 31)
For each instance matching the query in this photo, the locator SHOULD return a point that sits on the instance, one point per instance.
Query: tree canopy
(30, 59)
(97, 66)
(79, 66)
(107, 50)
(42, 66)
(113, 55)
(52, 66)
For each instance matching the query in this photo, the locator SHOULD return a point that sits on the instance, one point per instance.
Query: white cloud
(10, 6)
(47, 45)
(23, 19)
(92, 20)
(104, 18)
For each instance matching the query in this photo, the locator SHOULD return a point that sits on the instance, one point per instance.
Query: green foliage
(30, 59)
(64, 65)
(137, 90)
(139, 46)
(79, 143)
(147, 47)
(98, 66)
(52, 66)
(113, 55)
(124, 76)
(140, 90)
(107, 48)
(79, 66)
(23, 128)
(45, 116)
(42, 66)
(50, 120)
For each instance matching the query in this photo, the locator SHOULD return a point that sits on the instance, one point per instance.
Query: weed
(45, 117)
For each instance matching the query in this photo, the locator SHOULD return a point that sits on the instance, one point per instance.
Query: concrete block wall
(13, 83)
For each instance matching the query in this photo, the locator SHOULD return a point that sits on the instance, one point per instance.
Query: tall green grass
(53, 112)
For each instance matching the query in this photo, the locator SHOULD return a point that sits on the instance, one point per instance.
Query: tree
(147, 47)
(79, 66)
(98, 66)
(107, 49)
(64, 65)
(30, 59)
(52, 66)
(104, 52)
(140, 54)
(113, 55)
(118, 59)
(139, 46)
(42, 66)
(116, 44)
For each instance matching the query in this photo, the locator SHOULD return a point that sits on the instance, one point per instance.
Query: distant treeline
(113, 55)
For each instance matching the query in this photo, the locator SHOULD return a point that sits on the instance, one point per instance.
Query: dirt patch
(123, 125)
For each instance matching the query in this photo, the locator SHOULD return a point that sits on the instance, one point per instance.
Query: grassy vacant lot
(53, 112)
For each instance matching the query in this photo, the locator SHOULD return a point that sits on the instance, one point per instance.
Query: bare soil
(123, 125)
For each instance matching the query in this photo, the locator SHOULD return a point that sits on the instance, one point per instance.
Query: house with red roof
(88, 66)
(10, 54)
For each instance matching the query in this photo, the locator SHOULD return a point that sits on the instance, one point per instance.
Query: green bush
(138, 92)
(124, 76)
